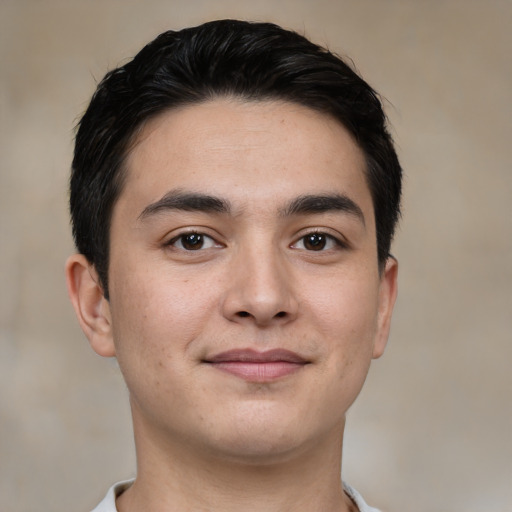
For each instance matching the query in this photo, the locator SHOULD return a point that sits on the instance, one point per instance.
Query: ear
(387, 296)
(91, 307)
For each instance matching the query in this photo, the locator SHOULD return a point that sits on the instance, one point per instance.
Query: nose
(260, 289)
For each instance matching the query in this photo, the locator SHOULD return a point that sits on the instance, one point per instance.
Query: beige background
(432, 431)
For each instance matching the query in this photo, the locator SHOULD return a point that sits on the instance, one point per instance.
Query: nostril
(246, 314)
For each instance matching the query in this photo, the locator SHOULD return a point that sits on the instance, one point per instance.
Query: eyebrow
(186, 201)
(323, 203)
(302, 205)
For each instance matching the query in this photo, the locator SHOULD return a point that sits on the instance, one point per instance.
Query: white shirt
(108, 503)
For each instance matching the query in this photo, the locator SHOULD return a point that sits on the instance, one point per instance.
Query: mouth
(254, 366)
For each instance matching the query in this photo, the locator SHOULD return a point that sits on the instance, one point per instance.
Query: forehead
(250, 151)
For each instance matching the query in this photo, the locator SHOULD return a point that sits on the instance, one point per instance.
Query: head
(221, 59)
(234, 196)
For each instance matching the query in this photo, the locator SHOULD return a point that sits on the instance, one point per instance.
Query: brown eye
(318, 241)
(192, 242)
(315, 241)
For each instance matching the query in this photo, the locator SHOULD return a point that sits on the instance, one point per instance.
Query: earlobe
(91, 307)
(387, 296)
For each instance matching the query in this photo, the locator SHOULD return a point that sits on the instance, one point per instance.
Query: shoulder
(108, 504)
(358, 499)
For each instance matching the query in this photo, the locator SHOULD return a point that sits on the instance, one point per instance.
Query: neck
(176, 476)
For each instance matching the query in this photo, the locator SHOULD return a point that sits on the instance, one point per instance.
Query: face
(245, 298)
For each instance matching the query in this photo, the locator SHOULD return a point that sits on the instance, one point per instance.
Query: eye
(192, 241)
(317, 241)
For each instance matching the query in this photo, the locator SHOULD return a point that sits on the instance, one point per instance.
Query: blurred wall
(432, 431)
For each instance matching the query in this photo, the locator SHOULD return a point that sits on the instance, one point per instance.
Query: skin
(207, 439)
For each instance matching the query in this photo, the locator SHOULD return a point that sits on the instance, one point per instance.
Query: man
(234, 195)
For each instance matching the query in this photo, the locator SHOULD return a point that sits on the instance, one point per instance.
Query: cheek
(346, 308)
(345, 317)
(154, 322)
(157, 316)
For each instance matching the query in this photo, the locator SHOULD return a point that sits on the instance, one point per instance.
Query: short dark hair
(253, 61)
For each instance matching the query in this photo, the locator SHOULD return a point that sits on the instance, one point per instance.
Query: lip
(254, 366)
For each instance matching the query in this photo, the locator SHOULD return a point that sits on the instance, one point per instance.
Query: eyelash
(337, 242)
(323, 239)
(202, 238)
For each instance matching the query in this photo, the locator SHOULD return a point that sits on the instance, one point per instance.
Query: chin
(264, 438)
(260, 450)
